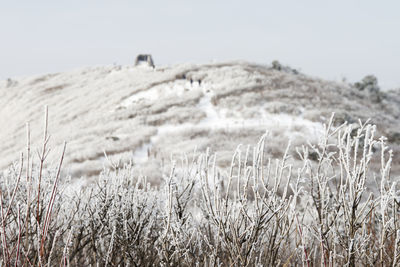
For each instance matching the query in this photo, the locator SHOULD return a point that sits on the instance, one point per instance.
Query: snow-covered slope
(147, 115)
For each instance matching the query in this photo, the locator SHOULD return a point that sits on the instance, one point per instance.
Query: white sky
(330, 39)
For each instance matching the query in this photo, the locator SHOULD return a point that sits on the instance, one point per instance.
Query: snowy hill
(147, 115)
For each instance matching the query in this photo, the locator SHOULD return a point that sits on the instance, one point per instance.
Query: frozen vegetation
(162, 168)
(260, 211)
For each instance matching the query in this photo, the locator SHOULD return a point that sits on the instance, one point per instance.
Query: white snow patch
(141, 154)
(217, 119)
(147, 95)
(169, 89)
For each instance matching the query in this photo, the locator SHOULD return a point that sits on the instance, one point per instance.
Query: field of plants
(334, 210)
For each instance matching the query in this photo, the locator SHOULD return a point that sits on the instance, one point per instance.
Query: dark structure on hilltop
(144, 58)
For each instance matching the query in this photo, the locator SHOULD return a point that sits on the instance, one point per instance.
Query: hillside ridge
(145, 115)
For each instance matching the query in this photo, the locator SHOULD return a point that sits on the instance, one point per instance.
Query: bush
(276, 65)
(368, 83)
(259, 212)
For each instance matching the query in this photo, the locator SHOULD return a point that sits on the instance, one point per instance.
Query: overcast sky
(332, 40)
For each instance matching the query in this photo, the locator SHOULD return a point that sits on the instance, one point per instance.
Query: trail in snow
(217, 119)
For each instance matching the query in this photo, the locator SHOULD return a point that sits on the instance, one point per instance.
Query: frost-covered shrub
(10, 83)
(368, 83)
(332, 211)
(276, 65)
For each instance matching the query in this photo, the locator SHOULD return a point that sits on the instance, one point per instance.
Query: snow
(107, 108)
(218, 119)
(171, 89)
(140, 155)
